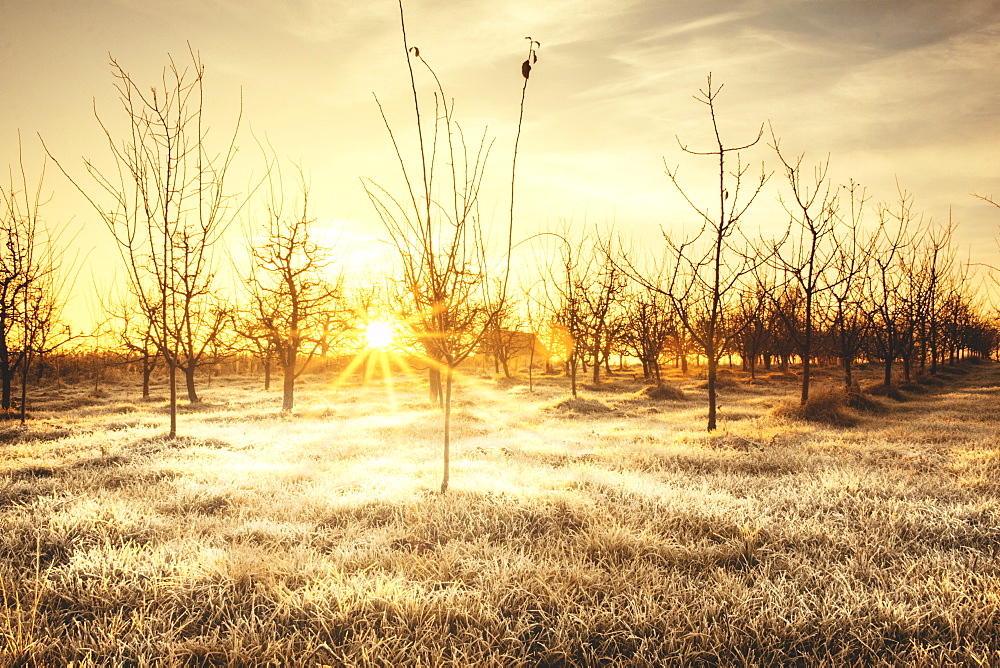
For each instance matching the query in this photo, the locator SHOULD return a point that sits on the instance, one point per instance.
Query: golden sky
(905, 90)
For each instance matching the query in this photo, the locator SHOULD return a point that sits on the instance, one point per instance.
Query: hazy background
(891, 90)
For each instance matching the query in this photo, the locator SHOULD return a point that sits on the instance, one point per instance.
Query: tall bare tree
(937, 265)
(564, 281)
(437, 231)
(165, 203)
(600, 295)
(708, 268)
(133, 331)
(648, 324)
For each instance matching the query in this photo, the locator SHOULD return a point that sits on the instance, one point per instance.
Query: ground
(617, 533)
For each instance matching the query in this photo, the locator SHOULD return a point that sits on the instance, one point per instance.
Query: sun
(379, 334)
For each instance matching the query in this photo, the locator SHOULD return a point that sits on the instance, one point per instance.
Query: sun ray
(387, 379)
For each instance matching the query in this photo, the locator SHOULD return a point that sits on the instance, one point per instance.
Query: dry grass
(582, 405)
(889, 392)
(724, 380)
(827, 408)
(628, 537)
(665, 392)
(857, 400)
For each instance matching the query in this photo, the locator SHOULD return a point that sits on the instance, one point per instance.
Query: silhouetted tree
(30, 282)
(437, 232)
(167, 207)
(885, 247)
(709, 269)
(805, 253)
(292, 288)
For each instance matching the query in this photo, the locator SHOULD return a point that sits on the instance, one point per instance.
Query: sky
(891, 91)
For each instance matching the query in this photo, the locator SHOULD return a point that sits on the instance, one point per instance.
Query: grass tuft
(827, 408)
(857, 400)
(582, 405)
(890, 392)
(724, 380)
(928, 380)
(664, 391)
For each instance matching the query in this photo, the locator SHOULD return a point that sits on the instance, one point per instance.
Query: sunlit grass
(629, 536)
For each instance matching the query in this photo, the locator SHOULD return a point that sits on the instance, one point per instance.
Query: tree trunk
(713, 365)
(848, 376)
(189, 381)
(447, 428)
(597, 365)
(6, 378)
(26, 362)
(807, 350)
(434, 381)
(288, 387)
(531, 367)
(147, 371)
(173, 399)
(267, 373)
(805, 380)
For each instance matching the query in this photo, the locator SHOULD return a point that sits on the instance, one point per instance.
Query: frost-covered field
(619, 533)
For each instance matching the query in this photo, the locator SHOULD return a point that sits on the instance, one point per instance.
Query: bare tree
(709, 270)
(752, 310)
(848, 322)
(167, 208)
(502, 342)
(805, 254)
(437, 231)
(600, 293)
(649, 323)
(30, 282)
(291, 286)
(135, 337)
(253, 336)
(564, 282)
(885, 248)
(938, 263)
(534, 318)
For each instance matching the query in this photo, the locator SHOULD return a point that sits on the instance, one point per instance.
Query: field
(620, 533)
